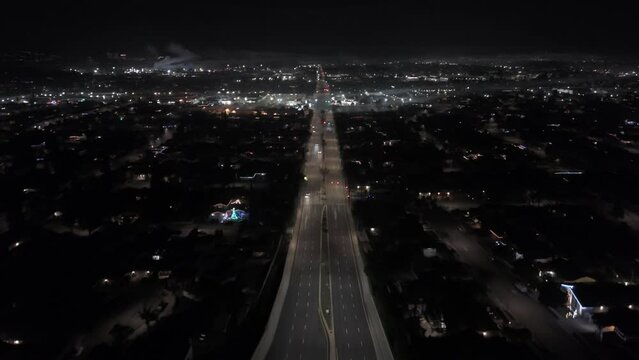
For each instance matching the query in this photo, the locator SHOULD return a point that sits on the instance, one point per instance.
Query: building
(586, 299)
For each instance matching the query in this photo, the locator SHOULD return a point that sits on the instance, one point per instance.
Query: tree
(617, 210)
(551, 295)
(148, 315)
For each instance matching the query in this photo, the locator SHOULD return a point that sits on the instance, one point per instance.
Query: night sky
(363, 28)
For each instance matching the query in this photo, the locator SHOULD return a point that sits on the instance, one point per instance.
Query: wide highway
(323, 309)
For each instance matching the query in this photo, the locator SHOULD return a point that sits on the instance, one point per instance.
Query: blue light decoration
(235, 215)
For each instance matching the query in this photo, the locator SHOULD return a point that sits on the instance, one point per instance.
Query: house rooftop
(606, 294)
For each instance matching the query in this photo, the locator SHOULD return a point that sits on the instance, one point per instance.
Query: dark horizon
(363, 30)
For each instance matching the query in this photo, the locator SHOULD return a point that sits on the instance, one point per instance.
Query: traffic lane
(299, 331)
(358, 319)
(530, 313)
(353, 338)
(309, 340)
(336, 192)
(298, 319)
(356, 333)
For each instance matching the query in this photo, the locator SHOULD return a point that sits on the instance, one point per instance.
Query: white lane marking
(346, 330)
(293, 327)
(358, 330)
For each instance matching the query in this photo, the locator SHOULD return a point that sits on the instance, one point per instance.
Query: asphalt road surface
(306, 322)
(548, 332)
